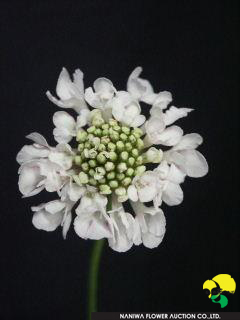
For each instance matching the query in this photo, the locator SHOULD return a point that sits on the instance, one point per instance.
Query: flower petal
(195, 164)
(54, 206)
(31, 152)
(170, 136)
(174, 114)
(38, 138)
(189, 141)
(172, 194)
(43, 220)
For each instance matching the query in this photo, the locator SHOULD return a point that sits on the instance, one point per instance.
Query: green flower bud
(92, 153)
(131, 161)
(139, 160)
(91, 129)
(111, 146)
(81, 147)
(137, 132)
(130, 172)
(100, 172)
(126, 130)
(117, 128)
(83, 177)
(105, 140)
(97, 122)
(101, 158)
(85, 166)
(83, 155)
(123, 137)
(132, 139)
(105, 132)
(140, 170)
(113, 122)
(92, 181)
(105, 189)
(113, 184)
(92, 163)
(124, 155)
(102, 180)
(78, 160)
(90, 137)
(87, 145)
(111, 175)
(135, 153)
(121, 167)
(77, 180)
(114, 136)
(126, 182)
(81, 136)
(98, 132)
(153, 155)
(109, 166)
(120, 176)
(105, 126)
(120, 146)
(101, 147)
(140, 144)
(95, 141)
(120, 191)
(128, 146)
(112, 156)
(91, 172)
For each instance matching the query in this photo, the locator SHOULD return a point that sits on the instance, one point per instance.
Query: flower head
(112, 146)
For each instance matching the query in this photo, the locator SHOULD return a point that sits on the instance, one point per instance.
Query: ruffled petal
(189, 141)
(43, 220)
(173, 114)
(195, 164)
(172, 194)
(170, 136)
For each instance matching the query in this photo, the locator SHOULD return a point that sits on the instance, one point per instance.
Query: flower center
(109, 156)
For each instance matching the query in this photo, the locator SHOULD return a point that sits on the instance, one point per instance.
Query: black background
(186, 47)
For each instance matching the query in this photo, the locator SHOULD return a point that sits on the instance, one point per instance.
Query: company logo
(218, 284)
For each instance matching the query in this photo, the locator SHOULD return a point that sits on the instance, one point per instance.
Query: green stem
(94, 270)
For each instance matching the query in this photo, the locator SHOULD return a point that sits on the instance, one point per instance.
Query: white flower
(92, 222)
(109, 158)
(127, 110)
(49, 216)
(143, 188)
(101, 98)
(43, 166)
(142, 90)
(70, 93)
(66, 127)
(169, 179)
(123, 226)
(186, 158)
(151, 225)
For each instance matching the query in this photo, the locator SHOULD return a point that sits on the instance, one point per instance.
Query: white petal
(104, 87)
(170, 136)
(43, 220)
(31, 152)
(137, 87)
(38, 138)
(189, 141)
(75, 192)
(172, 194)
(132, 193)
(93, 227)
(54, 206)
(62, 159)
(66, 224)
(62, 119)
(163, 99)
(29, 179)
(174, 114)
(78, 80)
(64, 85)
(147, 193)
(156, 223)
(138, 121)
(196, 165)
(92, 98)
(175, 174)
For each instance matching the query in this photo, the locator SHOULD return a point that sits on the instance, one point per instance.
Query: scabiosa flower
(112, 145)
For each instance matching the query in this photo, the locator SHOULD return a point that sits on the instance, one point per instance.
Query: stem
(94, 270)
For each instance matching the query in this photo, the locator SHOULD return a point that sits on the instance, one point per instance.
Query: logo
(218, 284)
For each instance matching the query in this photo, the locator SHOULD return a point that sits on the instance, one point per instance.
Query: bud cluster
(109, 156)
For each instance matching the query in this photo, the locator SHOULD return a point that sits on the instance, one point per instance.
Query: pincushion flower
(112, 145)
(103, 158)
